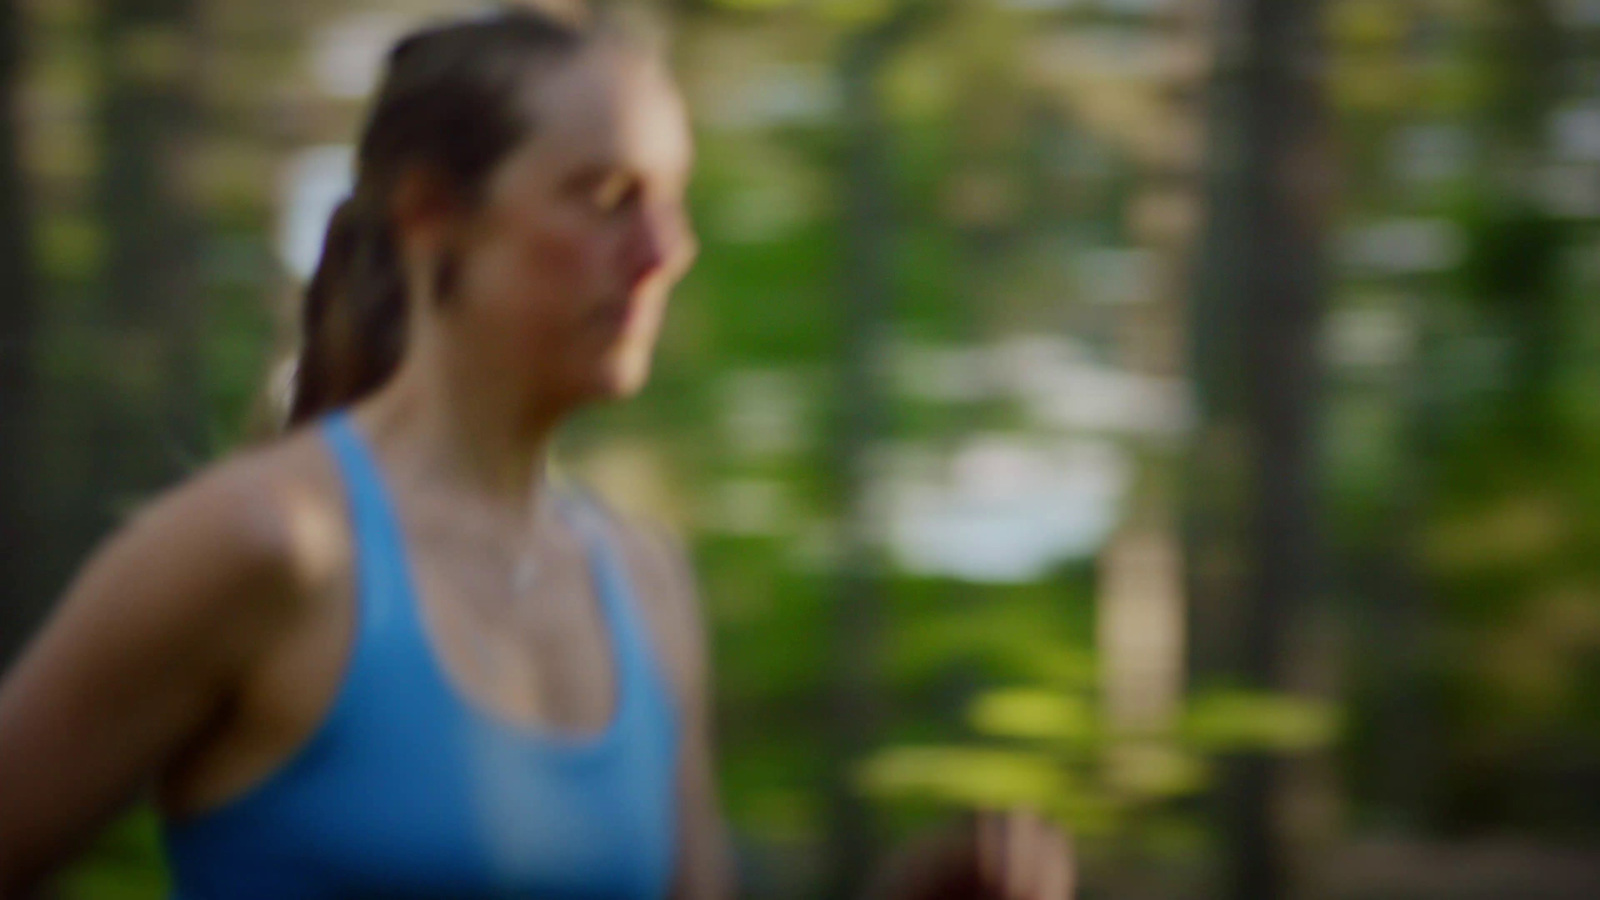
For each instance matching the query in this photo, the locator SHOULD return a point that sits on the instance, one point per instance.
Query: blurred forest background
(1182, 416)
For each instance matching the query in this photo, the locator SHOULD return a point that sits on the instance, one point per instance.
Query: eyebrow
(590, 173)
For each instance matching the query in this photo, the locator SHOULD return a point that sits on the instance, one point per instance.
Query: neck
(460, 427)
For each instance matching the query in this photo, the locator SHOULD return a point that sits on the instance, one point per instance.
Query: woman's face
(565, 269)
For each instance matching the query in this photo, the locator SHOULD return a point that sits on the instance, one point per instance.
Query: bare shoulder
(262, 524)
(296, 507)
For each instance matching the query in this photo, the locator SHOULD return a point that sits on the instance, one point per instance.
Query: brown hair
(452, 103)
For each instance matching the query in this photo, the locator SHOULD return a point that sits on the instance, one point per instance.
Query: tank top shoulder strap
(596, 527)
(381, 569)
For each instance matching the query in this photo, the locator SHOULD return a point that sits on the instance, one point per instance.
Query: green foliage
(970, 776)
(1058, 750)
(754, 6)
(125, 864)
(1513, 254)
(1242, 721)
(1036, 714)
(69, 247)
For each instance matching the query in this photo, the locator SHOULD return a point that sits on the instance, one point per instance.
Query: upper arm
(704, 869)
(138, 656)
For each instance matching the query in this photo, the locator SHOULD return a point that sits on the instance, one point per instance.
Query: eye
(613, 191)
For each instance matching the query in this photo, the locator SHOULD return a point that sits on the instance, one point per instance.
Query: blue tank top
(408, 789)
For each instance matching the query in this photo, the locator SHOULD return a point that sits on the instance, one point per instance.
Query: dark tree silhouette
(147, 421)
(1252, 517)
(20, 605)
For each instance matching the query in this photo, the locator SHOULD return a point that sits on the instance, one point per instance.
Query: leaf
(1249, 720)
(1035, 713)
(974, 777)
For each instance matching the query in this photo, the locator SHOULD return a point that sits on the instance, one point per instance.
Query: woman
(385, 656)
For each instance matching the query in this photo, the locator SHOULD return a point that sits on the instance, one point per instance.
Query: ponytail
(353, 322)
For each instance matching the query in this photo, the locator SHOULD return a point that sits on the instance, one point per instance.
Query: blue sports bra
(407, 789)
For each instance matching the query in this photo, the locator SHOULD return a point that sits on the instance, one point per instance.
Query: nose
(660, 241)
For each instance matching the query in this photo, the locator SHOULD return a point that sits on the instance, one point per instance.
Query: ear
(424, 209)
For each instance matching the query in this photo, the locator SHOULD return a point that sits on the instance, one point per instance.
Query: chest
(539, 651)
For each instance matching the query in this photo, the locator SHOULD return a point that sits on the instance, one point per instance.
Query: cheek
(570, 253)
(534, 280)
(557, 257)
(557, 275)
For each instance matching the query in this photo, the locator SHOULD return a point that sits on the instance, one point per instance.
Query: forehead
(611, 106)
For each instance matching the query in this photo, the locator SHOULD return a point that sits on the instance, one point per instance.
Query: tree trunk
(1257, 361)
(869, 223)
(855, 709)
(20, 603)
(147, 425)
